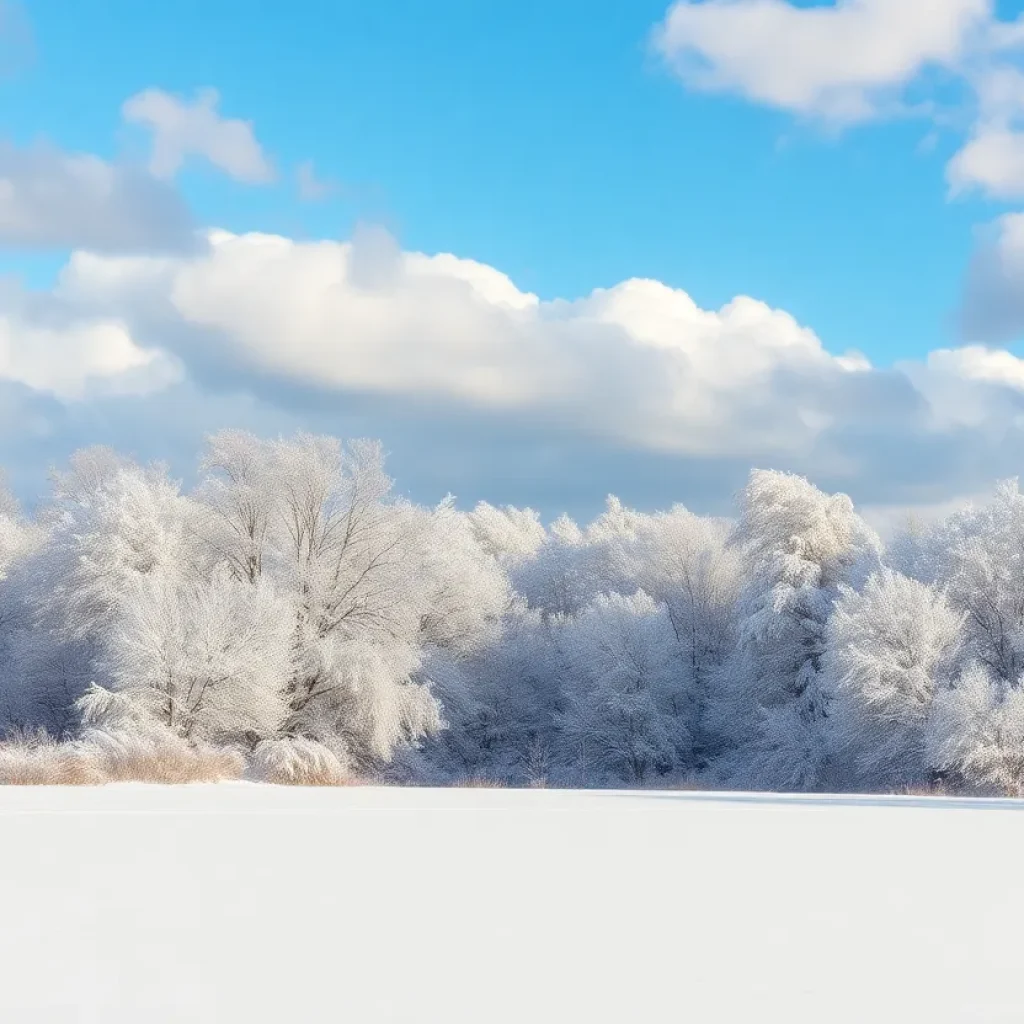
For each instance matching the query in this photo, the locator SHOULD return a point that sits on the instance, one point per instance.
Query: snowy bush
(297, 762)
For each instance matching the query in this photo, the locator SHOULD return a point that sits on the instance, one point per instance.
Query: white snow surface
(132, 904)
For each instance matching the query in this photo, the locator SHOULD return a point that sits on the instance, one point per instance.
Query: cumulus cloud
(53, 199)
(639, 362)
(478, 386)
(845, 62)
(182, 129)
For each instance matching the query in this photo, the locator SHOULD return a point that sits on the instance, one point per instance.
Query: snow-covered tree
(509, 534)
(556, 579)
(499, 706)
(240, 499)
(624, 719)
(465, 590)
(210, 658)
(980, 556)
(976, 731)
(111, 525)
(684, 561)
(348, 555)
(800, 545)
(889, 649)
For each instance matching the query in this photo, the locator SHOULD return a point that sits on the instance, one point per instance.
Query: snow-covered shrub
(296, 761)
(125, 743)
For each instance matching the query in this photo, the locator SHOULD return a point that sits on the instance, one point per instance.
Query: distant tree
(981, 558)
(800, 546)
(620, 724)
(976, 731)
(509, 534)
(888, 650)
(684, 561)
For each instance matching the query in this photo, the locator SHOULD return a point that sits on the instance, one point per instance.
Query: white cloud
(53, 199)
(992, 160)
(455, 366)
(311, 188)
(183, 129)
(639, 362)
(80, 359)
(844, 62)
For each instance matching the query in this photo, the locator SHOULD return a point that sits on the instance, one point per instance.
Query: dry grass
(39, 760)
(125, 758)
(474, 782)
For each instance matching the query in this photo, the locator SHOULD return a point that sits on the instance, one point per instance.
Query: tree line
(291, 608)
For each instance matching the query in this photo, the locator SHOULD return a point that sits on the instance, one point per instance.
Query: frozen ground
(238, 903)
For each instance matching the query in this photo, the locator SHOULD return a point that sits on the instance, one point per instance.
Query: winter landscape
(511, 511)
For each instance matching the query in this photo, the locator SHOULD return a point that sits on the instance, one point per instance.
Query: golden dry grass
(48, 764)
(112, 757)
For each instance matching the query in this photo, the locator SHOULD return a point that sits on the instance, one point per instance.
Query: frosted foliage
(240, 501)
(466, 591)
(18, 536)
(210, 659)
(297, 761)
(797, 535)
(625, 719)
(889, 649)
(499, 707)
(800, 546)
(508, 534)
(976, 731)
(135, 524)
(557, 579)
(359, 698)
(345, 550)
(683, 561)
(88, 470)
(983, 563)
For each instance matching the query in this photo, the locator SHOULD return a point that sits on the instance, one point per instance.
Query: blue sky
(541, 138)
(556, 143)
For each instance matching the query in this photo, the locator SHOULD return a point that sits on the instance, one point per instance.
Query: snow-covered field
(133, 904)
